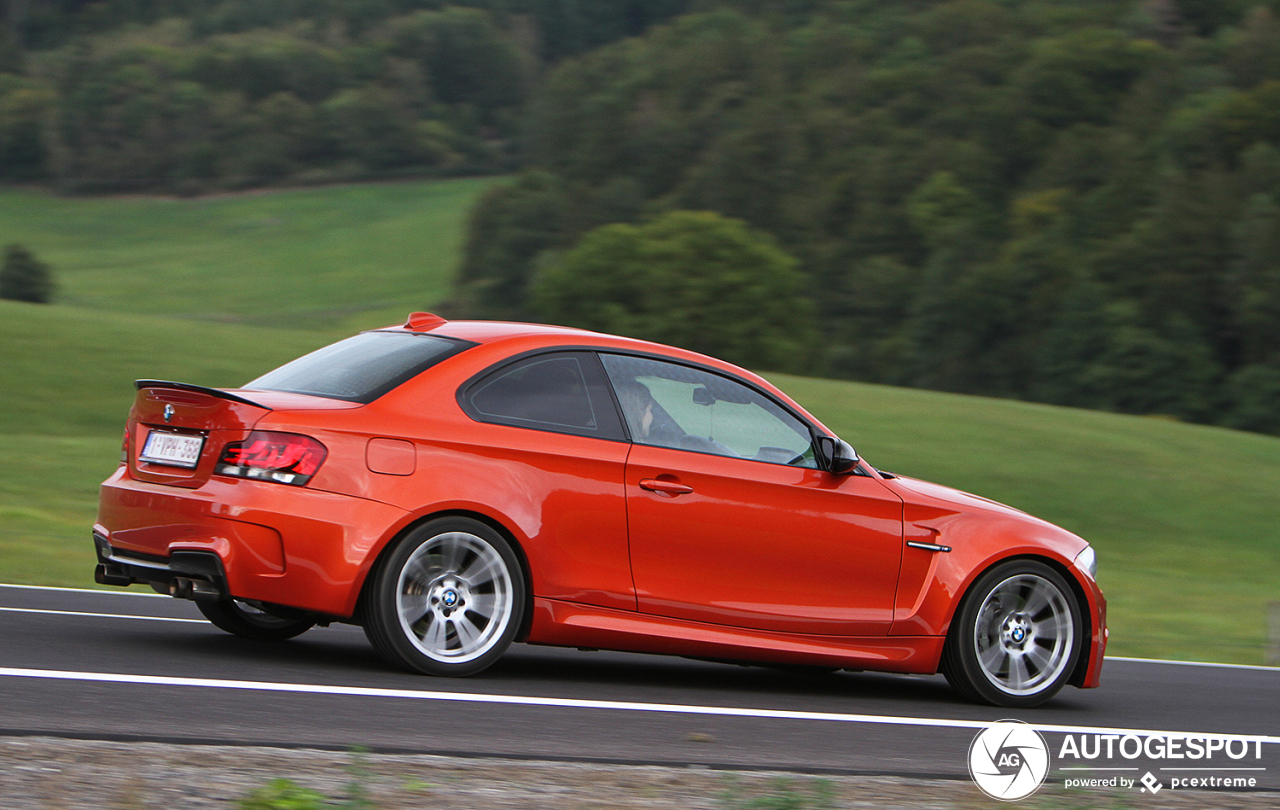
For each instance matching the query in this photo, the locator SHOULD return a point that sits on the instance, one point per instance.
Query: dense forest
(190, 96)
(1070, 201)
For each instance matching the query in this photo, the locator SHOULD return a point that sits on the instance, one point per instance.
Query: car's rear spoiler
(199, 389)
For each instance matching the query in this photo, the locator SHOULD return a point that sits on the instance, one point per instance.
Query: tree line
(1075, 203)
(197, 95)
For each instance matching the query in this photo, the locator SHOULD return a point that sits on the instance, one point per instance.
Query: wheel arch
(507, 534)
(1081, 669)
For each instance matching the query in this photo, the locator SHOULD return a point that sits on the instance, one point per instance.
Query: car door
(549, 450)
(731, 522)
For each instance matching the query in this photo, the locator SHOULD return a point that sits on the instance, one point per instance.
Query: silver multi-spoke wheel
(1017, 636)
(447, 599)
(454, 597)
(1024, 634)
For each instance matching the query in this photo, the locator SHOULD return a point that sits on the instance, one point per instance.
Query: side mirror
(835, 456)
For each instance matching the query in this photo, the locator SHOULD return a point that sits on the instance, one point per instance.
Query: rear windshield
(360, 368)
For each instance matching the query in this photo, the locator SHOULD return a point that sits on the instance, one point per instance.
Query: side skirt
(569, 624)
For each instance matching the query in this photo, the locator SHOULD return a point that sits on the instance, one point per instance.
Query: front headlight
(1087, 561)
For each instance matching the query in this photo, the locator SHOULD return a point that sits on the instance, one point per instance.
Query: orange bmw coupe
(454, 487)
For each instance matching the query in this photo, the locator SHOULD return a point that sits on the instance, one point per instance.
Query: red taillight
(124, 448)
(285, 458)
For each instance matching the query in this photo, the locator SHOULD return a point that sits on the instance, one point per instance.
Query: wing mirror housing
(835, 456)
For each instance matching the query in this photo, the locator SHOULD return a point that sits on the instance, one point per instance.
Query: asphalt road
(127, 666)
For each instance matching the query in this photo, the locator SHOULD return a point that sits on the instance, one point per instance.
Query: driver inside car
(651, 424)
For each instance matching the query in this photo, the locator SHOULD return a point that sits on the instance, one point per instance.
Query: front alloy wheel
(448, 600)
(1016, 638)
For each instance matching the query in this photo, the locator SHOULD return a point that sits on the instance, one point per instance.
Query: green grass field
(1182, 516)
(308, 258)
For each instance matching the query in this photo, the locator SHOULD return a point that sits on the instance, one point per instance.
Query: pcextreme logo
(1008, 760)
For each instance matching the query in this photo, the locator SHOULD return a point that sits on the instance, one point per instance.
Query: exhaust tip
(104, 576)
(202, 591)
(197, 590)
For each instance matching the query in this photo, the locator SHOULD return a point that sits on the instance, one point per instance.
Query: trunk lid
(177, 431)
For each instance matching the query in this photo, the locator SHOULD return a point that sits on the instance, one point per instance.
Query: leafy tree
(942, 318)
(24, 277)
(464, 56)
(1143, 371)
(509, 229)
(1254, 394)
(1254, 48)
(694, 279)
(1254, 282)
(23, 154)
(569, 27)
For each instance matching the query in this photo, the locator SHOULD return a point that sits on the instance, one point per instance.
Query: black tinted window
(562, 392)
(360, 368)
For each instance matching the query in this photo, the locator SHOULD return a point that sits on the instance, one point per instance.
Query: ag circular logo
(1008, 760)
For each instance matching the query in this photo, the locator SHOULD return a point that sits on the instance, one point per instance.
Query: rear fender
(472, 512)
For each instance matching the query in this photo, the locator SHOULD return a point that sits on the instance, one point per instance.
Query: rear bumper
(256, 540)
(190, 574)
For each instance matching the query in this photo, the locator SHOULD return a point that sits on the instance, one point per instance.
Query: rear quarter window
(360, 368)
(563, 392)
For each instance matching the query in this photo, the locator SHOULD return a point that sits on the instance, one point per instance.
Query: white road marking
(578, 703)
(1192, 663)
(84, 590)
(101, 615)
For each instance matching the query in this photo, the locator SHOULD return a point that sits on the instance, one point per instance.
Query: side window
(562, 392)
(670, 405)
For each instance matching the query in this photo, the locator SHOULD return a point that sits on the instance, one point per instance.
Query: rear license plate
(174, 449)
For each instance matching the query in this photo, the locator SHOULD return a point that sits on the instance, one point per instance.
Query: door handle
(665, 487)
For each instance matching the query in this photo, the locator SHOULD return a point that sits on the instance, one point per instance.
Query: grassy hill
(70, 371)
(312, 258)
(1182, 516)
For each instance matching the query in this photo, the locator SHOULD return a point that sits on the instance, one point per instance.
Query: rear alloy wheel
(1016, 638)
(448, 600)
(251, 620)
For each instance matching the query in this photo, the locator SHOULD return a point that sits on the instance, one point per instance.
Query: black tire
(248, 620)
(1016, 638)
(447, 599)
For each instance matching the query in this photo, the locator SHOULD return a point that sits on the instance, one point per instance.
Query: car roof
(492, 331)
(532, 335)
(518, 337)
